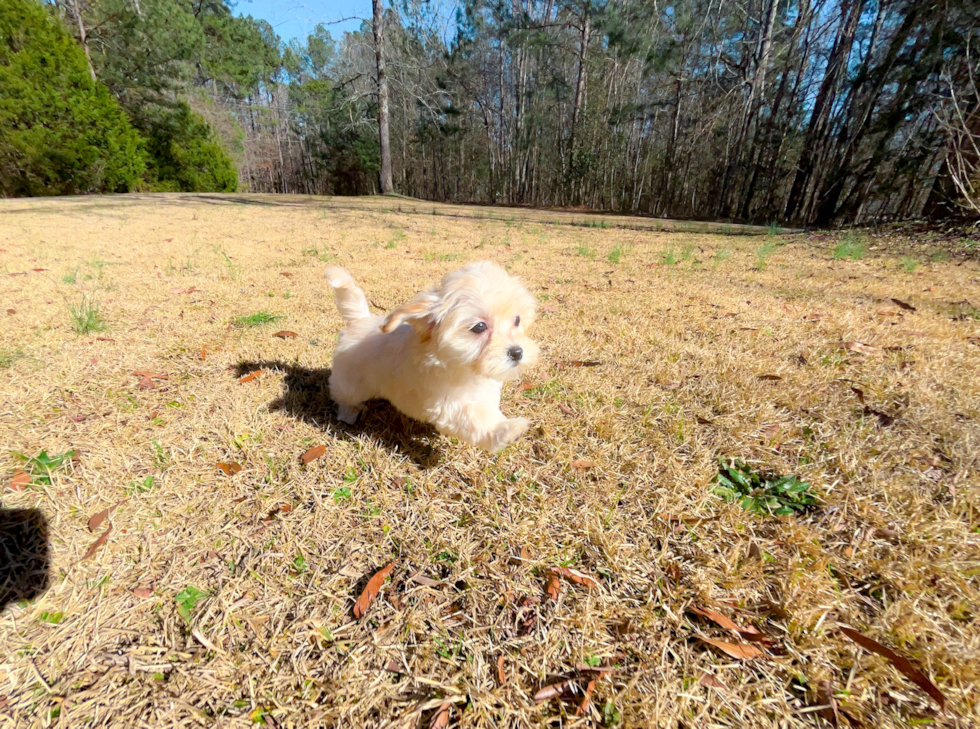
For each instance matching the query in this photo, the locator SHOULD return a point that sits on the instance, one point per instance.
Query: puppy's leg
(484, 426)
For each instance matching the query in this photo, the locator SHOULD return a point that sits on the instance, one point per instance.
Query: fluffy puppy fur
(442, 357)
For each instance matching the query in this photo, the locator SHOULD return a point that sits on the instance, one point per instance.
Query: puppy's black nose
(515, 353)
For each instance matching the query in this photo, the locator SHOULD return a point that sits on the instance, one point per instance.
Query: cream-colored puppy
(442, 357)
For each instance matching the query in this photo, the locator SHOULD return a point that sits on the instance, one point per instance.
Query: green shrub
(61, 132)
(185, 154)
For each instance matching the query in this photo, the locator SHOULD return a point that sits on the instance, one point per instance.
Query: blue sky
(296, 18)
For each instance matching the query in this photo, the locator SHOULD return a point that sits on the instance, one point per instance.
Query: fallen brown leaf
(287, 274)
(312, 454)
(97, 543)
(907, 307)
(399, 482)
(884, 419)
(146, 383)
(96, 520)
(11, 312)
(552, 690)
(143, 592)
(371, 591)
(706, 679)
(859, 347)
(735, 650)
(501, 674)
(771, 378)
(567, 410)
(280, 509)
(20, 481)
(251, 376)
(286, 334)
(553, 586)
(229, 469)
(440, 720)
(583, 705)
(903, 664)
(579, 363)
(579, 578)
(581, 465)
(204, 352)
(153, 375)
(717, 618)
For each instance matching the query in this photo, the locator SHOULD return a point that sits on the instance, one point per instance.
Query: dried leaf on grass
(251, 376)
(230, 469)
(903, 664)
(859, 348)
(20, 481)
(554, 689)
(151, 375)
(907, 307)
(884, 419)
(146, 383)
(578, 363)
(440, 720)
(143, 592)
(371, 591)
(553, 586)
(579, 578)
(567, 410)
(280, 509)
(770, 378)
(286, 334)
(735, 650)
(583, 705)
(501, 674)
(96, 520)
(706, 679)
(581, 465)
(96, 544)
(312, 454)
(716, 618)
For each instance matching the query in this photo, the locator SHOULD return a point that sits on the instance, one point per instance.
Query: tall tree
(387, 187)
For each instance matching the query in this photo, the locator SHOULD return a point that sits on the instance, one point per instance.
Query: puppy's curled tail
(351, 301)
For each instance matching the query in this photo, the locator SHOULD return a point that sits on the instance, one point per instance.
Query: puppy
(442, 358)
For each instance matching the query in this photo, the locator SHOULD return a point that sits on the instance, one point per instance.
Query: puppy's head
(477, 319)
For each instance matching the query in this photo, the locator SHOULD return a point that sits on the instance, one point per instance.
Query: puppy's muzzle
(515, 353)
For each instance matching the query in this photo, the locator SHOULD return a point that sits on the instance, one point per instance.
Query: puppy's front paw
(508, 432)
(348, 413)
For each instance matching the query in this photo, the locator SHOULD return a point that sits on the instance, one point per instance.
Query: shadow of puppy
(307, 398)
(24, 555)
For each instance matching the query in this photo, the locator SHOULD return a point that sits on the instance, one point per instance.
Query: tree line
(800, 111)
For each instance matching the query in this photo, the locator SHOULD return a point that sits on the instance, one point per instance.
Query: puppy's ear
(418, 312)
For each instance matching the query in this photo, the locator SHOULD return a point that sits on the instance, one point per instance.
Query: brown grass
(465, 629)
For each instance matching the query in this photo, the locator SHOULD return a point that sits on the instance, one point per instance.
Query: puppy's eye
(517, 321)
(478, 328)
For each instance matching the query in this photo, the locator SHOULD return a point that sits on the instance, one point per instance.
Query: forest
(808, 112)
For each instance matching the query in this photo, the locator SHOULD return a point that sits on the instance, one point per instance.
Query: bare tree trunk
(580, 82)
(76, 10)
(379, 43)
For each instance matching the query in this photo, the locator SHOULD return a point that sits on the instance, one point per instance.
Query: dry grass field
(206, 598)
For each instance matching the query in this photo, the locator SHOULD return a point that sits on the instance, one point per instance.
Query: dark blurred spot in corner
(24, 555)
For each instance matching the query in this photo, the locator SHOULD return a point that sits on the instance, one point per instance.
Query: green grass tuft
(9, 356)
(909, 264)
(850, 247)
(86, 316)
(618, 251)
(762, 255)
(255, 320)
